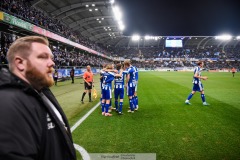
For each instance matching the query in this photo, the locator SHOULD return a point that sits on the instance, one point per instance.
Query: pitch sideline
(80, 149)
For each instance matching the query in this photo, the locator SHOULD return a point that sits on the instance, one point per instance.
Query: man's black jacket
(29, 129)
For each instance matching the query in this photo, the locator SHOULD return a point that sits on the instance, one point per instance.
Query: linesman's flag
(94, 93)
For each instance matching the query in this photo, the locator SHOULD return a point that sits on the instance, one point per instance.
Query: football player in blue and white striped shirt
(135, 98)
(197, 84)
(102, 71)
(108, 77)
(130, 83)
(119, 89)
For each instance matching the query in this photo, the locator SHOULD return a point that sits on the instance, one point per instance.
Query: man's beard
(37, 79)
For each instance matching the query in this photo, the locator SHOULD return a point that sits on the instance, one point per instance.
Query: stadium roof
(94, 19)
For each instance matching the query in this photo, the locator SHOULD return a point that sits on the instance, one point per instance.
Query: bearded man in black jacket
(32, 123)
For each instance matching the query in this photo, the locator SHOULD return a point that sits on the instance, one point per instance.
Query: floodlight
(224, 37)
(120, 22)
(87, 5)
(111, 1)
(135, 37)
(117, 12)
(238, 37)
(118, 17)
(147, 37)
(96, 9)
(121, 27)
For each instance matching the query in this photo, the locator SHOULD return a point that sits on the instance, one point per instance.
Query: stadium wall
(65, 73)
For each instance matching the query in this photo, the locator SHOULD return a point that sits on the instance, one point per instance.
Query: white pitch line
(80, 149)
(84, 117)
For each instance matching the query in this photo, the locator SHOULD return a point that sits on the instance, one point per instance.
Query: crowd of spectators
(209, 65)
(6, 41)
(150, 57)
(215, 58)
(200, 53)
(62, 57)
(76, 58)
(24, 10)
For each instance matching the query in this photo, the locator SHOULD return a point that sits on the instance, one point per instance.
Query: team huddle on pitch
(109, 74)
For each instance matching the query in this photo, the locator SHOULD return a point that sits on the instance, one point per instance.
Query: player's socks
(131, 104)
(116, 105)
(103, 106)
(203, 98)
(106, 108)
(120, 106)
(136, 99)
(134, 102)
(190, 96)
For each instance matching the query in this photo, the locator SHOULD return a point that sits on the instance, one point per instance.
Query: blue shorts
(198, 87)
(119, 92)
(106, 92)
(130, 91)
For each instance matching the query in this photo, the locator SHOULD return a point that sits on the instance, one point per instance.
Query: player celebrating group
(119, 89)
(130, 84)
(107, 78)
(135, 98)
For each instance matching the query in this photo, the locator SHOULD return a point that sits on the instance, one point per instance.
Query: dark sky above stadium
(181, 17)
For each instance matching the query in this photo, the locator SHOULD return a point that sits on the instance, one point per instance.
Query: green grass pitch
(164, 124)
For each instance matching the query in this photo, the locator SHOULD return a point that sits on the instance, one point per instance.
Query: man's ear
(20, 63)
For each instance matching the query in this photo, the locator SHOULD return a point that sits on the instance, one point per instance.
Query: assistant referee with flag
(88, 83)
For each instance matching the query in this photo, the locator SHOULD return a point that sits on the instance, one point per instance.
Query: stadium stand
(24, 10)
(144, 53)
(62, 57)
